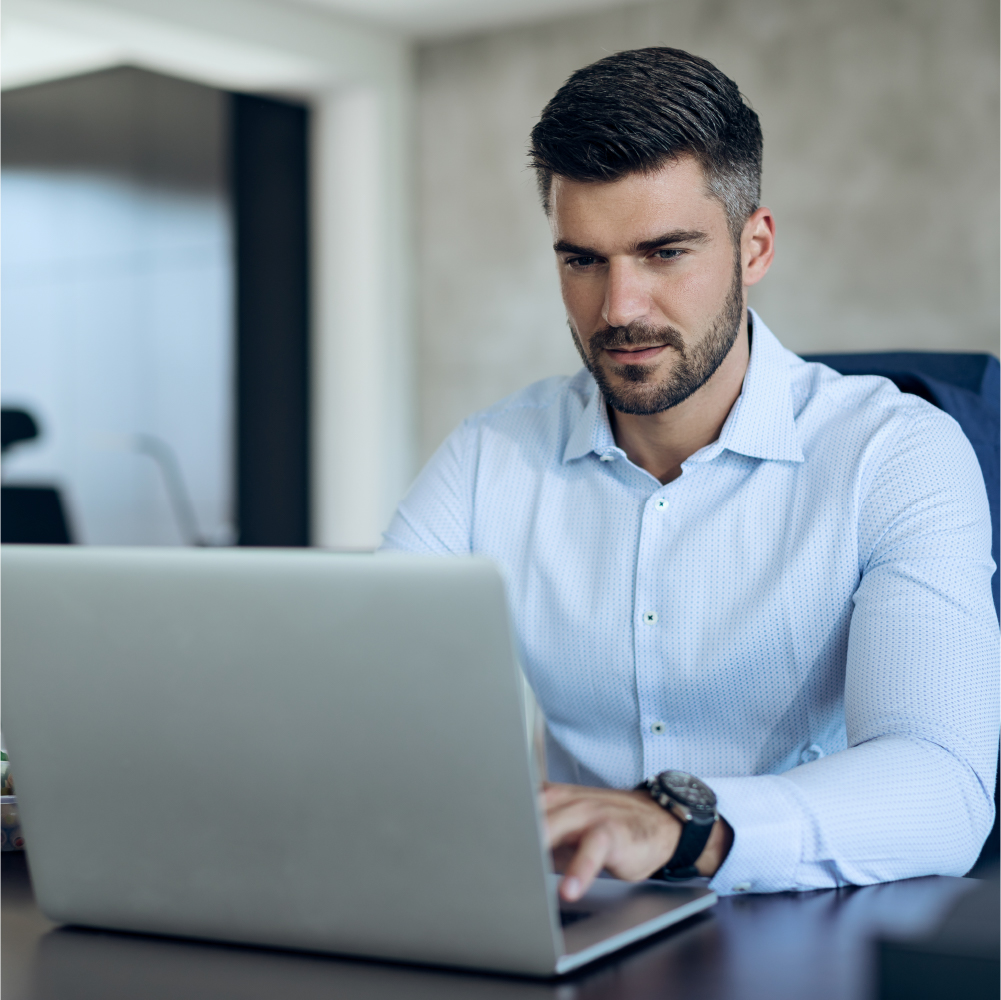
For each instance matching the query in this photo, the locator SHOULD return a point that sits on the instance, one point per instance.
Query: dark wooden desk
(787, 947)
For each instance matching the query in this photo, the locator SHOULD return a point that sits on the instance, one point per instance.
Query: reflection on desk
(818, 945)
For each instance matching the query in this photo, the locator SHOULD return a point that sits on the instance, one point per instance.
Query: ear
(757, 245)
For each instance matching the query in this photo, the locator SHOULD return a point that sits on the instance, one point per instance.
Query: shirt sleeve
(913, 793)
(435, 516)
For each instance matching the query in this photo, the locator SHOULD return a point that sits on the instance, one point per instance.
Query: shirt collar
(760, 423)
(592, 431)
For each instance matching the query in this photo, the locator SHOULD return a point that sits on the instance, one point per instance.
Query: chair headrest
(16, 426)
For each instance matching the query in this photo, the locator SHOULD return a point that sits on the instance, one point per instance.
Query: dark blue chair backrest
(966, 386)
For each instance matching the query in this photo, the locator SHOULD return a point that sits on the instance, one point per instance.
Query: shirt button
(661, 504)
(650, 617)
(608, 457)
(812, 752)
(742, 887)
(657, 727)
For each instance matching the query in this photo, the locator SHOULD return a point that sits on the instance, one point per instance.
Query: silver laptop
(293, 749)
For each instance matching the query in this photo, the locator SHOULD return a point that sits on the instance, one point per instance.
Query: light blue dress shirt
(803, 618)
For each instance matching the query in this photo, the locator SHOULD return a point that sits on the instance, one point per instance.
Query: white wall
(117, 300)
(880, 125)
(363, 451)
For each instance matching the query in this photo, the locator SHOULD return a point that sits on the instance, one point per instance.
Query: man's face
(651, 281)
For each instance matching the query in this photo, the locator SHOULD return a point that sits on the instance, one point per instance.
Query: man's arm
(435, 516)
(913, 793)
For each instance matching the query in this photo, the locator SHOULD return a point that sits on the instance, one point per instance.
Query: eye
(580, 262)
(668, 254)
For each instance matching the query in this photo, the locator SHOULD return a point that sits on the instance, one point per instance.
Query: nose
(627, 298)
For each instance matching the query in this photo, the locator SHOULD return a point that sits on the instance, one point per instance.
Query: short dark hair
(635, 111)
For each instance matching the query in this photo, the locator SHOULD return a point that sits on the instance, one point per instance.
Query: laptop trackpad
(612, 908)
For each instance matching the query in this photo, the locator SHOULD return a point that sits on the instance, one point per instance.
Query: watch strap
(693, 840)
(695, 833)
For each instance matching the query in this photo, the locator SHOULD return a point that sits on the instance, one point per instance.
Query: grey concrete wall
(880, 120)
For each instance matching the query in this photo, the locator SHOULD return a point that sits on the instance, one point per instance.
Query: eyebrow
(665, 239)
(675, 236)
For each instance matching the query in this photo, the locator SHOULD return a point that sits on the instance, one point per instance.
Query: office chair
(29, 514)
(968, 388)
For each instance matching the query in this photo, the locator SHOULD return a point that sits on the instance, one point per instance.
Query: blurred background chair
(29, 514)
(968, 388)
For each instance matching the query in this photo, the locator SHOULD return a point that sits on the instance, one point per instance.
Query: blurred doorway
(148, 330)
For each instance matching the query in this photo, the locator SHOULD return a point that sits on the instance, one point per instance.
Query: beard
(695, 364)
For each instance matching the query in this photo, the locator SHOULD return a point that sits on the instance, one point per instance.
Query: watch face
(687, 789)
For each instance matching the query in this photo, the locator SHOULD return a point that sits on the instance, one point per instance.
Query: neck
(660, 442)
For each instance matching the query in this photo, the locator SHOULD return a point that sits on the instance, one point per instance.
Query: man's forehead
(637, 208)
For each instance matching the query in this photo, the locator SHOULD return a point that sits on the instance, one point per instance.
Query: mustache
(635, 335)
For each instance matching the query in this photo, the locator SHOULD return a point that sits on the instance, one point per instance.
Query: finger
(586, 864)
(562, 856)
(568, 822)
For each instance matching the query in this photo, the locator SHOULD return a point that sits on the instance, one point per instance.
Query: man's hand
(626, 833)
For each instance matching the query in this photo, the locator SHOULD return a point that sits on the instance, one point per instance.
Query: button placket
(655, 533)
(649, 617)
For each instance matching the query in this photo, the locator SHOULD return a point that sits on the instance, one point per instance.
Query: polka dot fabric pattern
(803, 618)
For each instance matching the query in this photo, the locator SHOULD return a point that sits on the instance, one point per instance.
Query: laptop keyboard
(568, 917)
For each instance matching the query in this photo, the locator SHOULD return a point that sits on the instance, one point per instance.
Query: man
(721, 560)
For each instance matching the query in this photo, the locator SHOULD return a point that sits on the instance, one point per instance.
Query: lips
(634, 355)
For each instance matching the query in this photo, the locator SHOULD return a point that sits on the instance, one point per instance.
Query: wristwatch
(694, 804)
